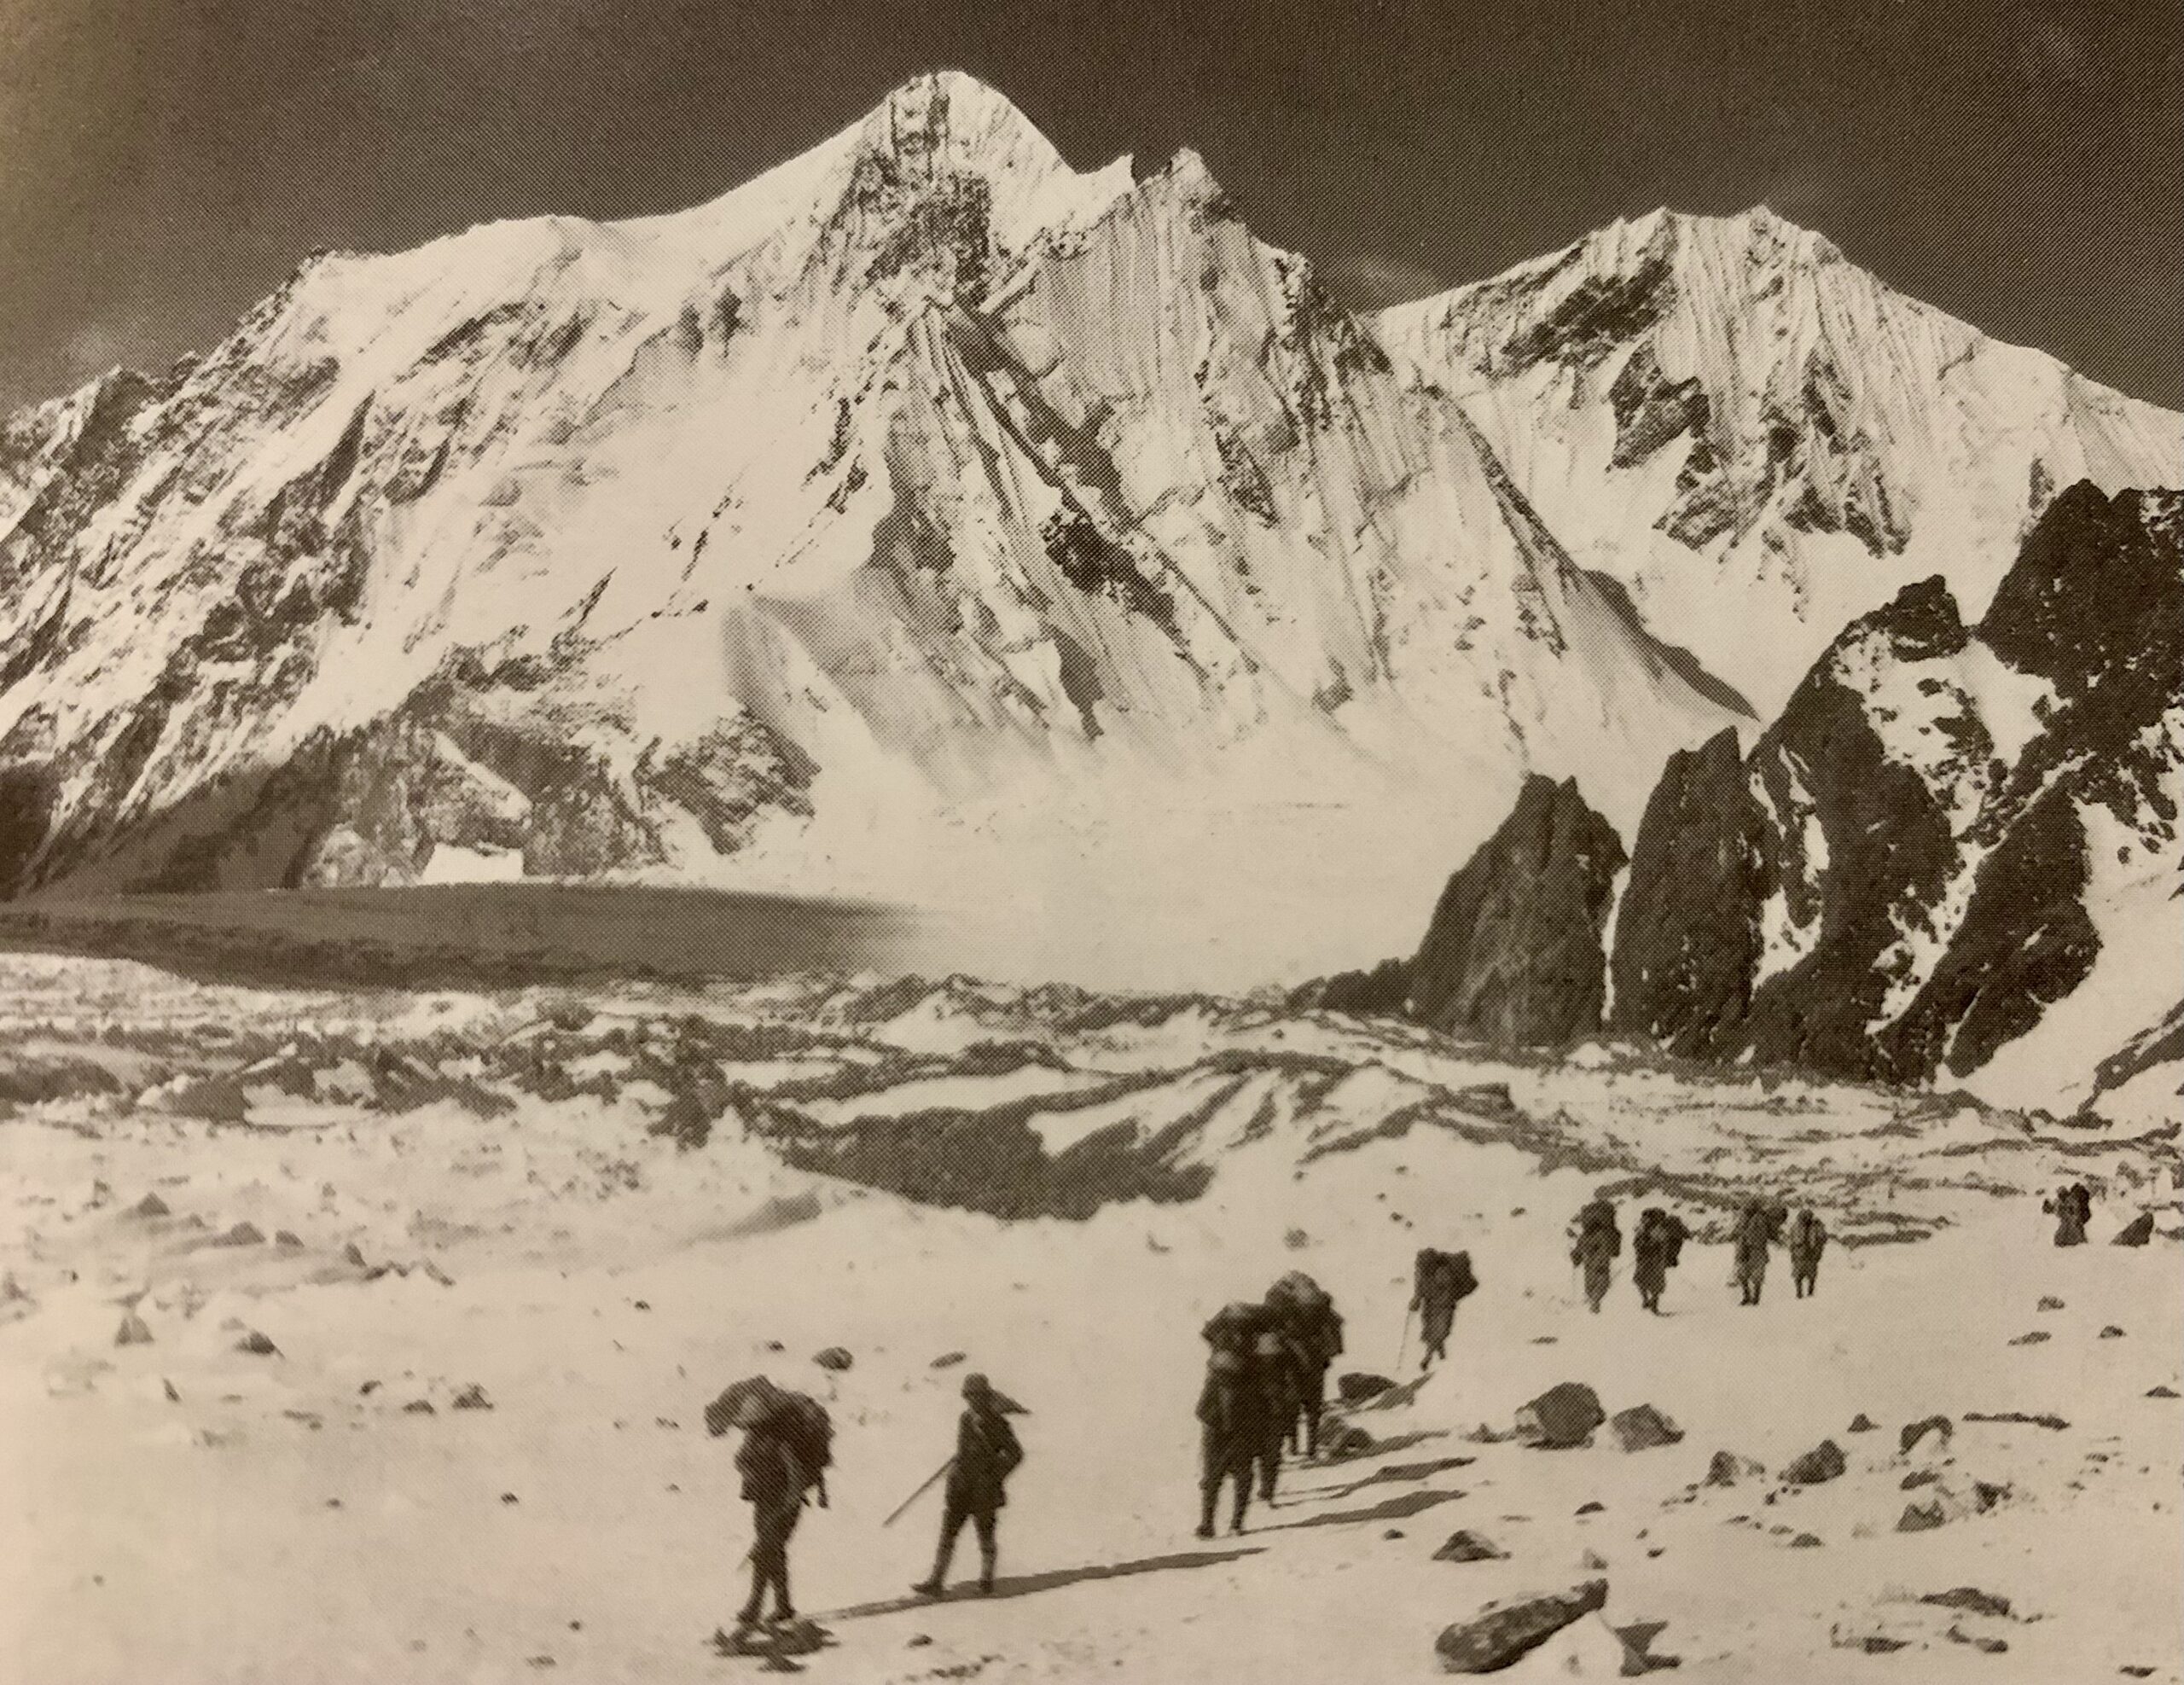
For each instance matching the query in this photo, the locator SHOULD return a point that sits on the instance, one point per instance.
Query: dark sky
(164, 163)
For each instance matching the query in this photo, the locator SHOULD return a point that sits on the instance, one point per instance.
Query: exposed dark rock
(1970, 1598)
(2136, 1233)
(472, 1397)
(1728, 1469)
(150, 1205)
(1862, 1423)
(1920, 1517)
(1513, 955)
(1822, 1463)
(1466, 1546)
(1919, 1429)
(1503, 1632)
(1562, 1416)
(133, 1331)
(1642, 1427)
(1356, 1385)
(947, 1360)
(258, 1345)
(1688, 932)
(834, 1357)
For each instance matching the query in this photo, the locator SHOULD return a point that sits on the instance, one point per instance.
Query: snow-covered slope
(924, 485)
(1754, 433)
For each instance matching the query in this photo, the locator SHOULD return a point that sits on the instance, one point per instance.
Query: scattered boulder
(1591, 1506)
(1503, 1632)
(174, 1397)
(1862, 1423)
(150, 1205)
(2049, 1302)
(2053, 1423)
(1985, 1646)
(1562, 1416)
(1916, 1478)
(2038, 1336)
(2161, 1392)
(834, 1357)
(1592, 1561)
(1727, 1469)
(1969, 1597)
(133, 1331)
(473, 1397)
(2111, 1332)
(948, 1359)
(1642, 1427)
(2136, 1233)
(1805, 1542)
(258, 1345)
(1357, 1385)
(245, 1234)
(1919, 1429)
(419, 1406)
(1919, 1518)
(1466, 1546)
(288, 1238)
(353, 1253)
(1823, 1463)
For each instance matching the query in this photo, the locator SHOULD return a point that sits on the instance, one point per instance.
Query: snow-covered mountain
(924, 476)
(1760, 438)
(930, 518)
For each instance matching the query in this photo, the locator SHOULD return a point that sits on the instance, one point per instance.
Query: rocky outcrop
(1688, 938)
(1514, 954)
(1899, 879)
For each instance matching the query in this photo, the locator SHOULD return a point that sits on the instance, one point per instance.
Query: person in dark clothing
(986, 1454)
(1807, 1239)
(1439, 1281)
(1228, 1412)
(1312, 1331)
(1655, 1248)
(775, 1481)
(1275, 1380)
(1756, 1229)
(1599, 1239)
(2072, 1209)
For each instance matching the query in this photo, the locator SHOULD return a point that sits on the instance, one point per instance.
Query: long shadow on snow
(1399, 1471)
(1390, 1509)
(1023, 1585)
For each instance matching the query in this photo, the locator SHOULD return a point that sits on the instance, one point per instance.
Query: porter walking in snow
(1230, 1427)
(1808, 1238)
(1655, 1247)
(1599, 1239)
(786, 1448)
(1758, 1225)
(1439, 1281)
(986, 1454)
(1311, 1329)
(2072, 1209)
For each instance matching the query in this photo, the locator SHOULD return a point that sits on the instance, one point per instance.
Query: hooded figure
(1655, 1249)
(1311, 1330)
(1231, 1428)
(1808, 1238)
(986, 1455)
(1599, 1240)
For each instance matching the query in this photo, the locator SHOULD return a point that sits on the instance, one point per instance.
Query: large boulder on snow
(1503, 1632)
(1727, 1469)
(1823, 1463)
(133, 1331)
(2136, 1233)
(1356, 1386)
(1562, 1416)
(1642, 1427)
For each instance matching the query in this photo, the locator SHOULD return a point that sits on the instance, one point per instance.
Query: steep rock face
(1746, 428)
(1688, 932)
(923, 472)
(1953, 851)
(1514, 954)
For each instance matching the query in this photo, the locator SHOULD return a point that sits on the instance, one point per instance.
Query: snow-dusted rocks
(1506, 1630)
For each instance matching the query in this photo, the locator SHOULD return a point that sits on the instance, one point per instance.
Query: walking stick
(1403, 1345)
(921, 1492)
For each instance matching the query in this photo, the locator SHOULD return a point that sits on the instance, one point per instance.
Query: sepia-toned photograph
(1172, 842)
